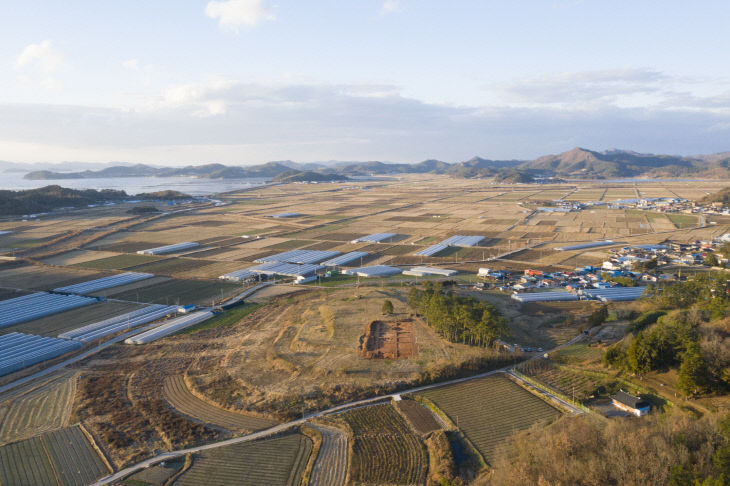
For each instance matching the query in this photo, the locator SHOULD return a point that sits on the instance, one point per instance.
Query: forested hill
(578, 163)
(50, 198)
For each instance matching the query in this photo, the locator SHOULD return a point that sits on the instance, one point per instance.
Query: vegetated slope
(271, 462)
(489, 410)
(43, 409)
(53, 197)
(180, 397)
(384, 449)
(721, 196)
(63, 457)
(330, 467)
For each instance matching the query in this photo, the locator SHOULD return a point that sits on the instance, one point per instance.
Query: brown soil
(388, 340)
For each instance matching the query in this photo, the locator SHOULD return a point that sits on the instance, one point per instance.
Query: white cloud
(391, 6)
(131, 64)
(233, 122)
(41, 56)
(234, 14)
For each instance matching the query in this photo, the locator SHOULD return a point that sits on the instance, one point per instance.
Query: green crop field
(496, 408)
(181, 292)
(269, 462)
(384, 449)
(63, 457)
(683, 220)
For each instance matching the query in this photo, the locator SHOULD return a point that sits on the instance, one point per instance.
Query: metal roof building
(456, 240)
(373, 271)
(558, 295)
(345, 259)
(18, 350)
(104, 283)
(299, 256)
(169, 248)
(34, 306)
(285, 215)
(374, 238)
(119, 323)
(582, 246)
(422, 271)
(615, 293)
(170, 327)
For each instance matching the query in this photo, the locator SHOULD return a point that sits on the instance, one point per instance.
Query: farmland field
(180, 292)
(63, 457)
(569, 381)
(330, 467)
(119, 261)
(496, 408)
(384, 449)
(270, 462)
(43, 409)
(44, 278)
(420, 417)
(180, 397)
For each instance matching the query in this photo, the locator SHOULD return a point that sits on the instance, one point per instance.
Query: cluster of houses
(669, 254)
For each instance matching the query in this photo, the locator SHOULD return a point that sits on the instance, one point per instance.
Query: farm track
(279, 461)
(179, 396)
(46, 408)
(63, 457)
(330, 467)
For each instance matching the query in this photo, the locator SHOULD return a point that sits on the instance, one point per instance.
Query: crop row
(569, 382)
(180, 397)
(63, 457)
(385, 451)
(270, 462)
(489, 410)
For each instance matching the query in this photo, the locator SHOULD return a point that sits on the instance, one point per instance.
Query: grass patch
(682, 220)
(224, 319)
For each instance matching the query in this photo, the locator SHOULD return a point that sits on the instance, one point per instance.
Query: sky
(248, 81)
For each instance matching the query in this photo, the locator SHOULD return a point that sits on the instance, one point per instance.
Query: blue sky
(247, 81)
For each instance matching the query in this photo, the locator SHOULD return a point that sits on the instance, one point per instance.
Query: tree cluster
(458, 319)
(589, 450)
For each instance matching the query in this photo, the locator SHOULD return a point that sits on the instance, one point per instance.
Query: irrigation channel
(334, 410)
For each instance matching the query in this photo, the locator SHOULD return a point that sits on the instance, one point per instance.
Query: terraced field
(420, 417)
(566, 380)
(180, 397)
(330, 468)
(63, 457)
(271, 462)
(44, 409)
(488, 410)
(384, 449)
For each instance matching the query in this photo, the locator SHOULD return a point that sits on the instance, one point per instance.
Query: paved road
(334, 410)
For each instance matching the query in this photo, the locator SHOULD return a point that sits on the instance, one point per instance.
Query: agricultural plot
(330, 467)
(384, 449)
(489, 410)
(65, 321)
(118, 261)
(46, 408)
(573, 383)
(420, 417)
(179, 396)
(44, 278)
(63, 457)
(171, 266)
(175, 291)
(279, 461)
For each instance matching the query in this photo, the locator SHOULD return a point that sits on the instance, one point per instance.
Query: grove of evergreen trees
(458, 319)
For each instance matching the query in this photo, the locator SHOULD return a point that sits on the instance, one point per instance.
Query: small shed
(630, 403)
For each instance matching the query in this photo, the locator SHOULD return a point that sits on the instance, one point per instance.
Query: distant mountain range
(578, 163)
